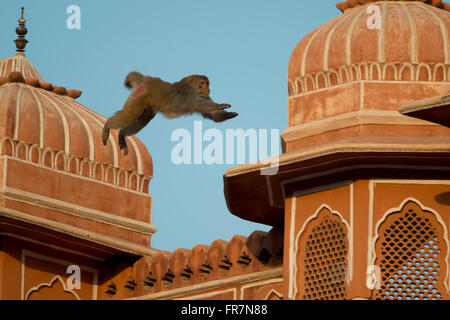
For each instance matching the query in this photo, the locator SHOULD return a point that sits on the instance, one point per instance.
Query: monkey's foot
(124, 148)
(123, 144)
(105, 136)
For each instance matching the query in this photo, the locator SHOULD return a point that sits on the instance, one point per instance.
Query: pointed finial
(21, 18)
(21, 31)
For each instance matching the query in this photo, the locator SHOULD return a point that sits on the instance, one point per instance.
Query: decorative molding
(351, 119)
(310, 83)
(18, 107)
(348, 37)
(275, 292)
(210, 294)
(259, 284)
(50, 285)
(97, 119)
(413, 43)
(62, 106)
(291, 246)
(62, 162)
(347, 147)
(113, 243)
(51, 246)
(210, 285)
(351, 69)
(183, 268)
(64, 121)
(27, 253)
(77, 211)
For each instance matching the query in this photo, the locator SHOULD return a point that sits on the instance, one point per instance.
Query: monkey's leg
(115, 122)
(123, 144)
(135, 127)
(219, 116)
(105, 134)
(121, 119)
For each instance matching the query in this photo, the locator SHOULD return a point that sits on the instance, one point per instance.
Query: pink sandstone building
(359, 203)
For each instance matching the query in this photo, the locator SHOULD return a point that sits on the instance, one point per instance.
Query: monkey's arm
(183, 98)
(135, 127)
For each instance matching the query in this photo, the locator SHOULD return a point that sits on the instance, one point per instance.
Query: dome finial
(21, 31)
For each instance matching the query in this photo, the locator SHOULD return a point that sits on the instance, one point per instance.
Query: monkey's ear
(139, 92)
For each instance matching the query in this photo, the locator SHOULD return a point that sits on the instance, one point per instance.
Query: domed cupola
(349, 81)
(52, 153)
(349, 76)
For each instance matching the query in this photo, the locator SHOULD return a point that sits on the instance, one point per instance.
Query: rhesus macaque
(152, 95)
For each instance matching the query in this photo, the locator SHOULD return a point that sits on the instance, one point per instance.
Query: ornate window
(323, 258)
(411, 255)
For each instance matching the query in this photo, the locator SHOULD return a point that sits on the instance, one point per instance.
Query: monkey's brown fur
(152, 95)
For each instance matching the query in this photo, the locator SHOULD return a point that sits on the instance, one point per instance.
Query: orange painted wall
(29, 270)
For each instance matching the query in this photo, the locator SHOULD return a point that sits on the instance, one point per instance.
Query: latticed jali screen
(324, 251)
(410, 254)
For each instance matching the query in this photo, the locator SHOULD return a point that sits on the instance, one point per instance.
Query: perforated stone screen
(324, 258)
(410, 253)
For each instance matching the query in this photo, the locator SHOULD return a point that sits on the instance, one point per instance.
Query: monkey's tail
(133, 79)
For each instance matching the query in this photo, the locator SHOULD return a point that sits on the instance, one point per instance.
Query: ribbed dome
(19, 63)
(44, 124)
(411, 45)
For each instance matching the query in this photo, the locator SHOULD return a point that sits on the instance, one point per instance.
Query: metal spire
(21, 31)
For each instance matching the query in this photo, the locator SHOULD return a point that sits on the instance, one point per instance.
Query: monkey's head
(200, 84)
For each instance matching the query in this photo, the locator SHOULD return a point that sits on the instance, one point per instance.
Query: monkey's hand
(105, 135)
(219, 116)
(224, 106)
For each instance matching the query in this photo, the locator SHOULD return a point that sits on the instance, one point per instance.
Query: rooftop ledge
(350, 159)
(351, 145)
(436, 109)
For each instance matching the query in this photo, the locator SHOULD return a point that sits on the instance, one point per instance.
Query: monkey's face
(200, 84)
(203, 88)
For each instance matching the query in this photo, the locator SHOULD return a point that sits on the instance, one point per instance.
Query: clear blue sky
(243, 46)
